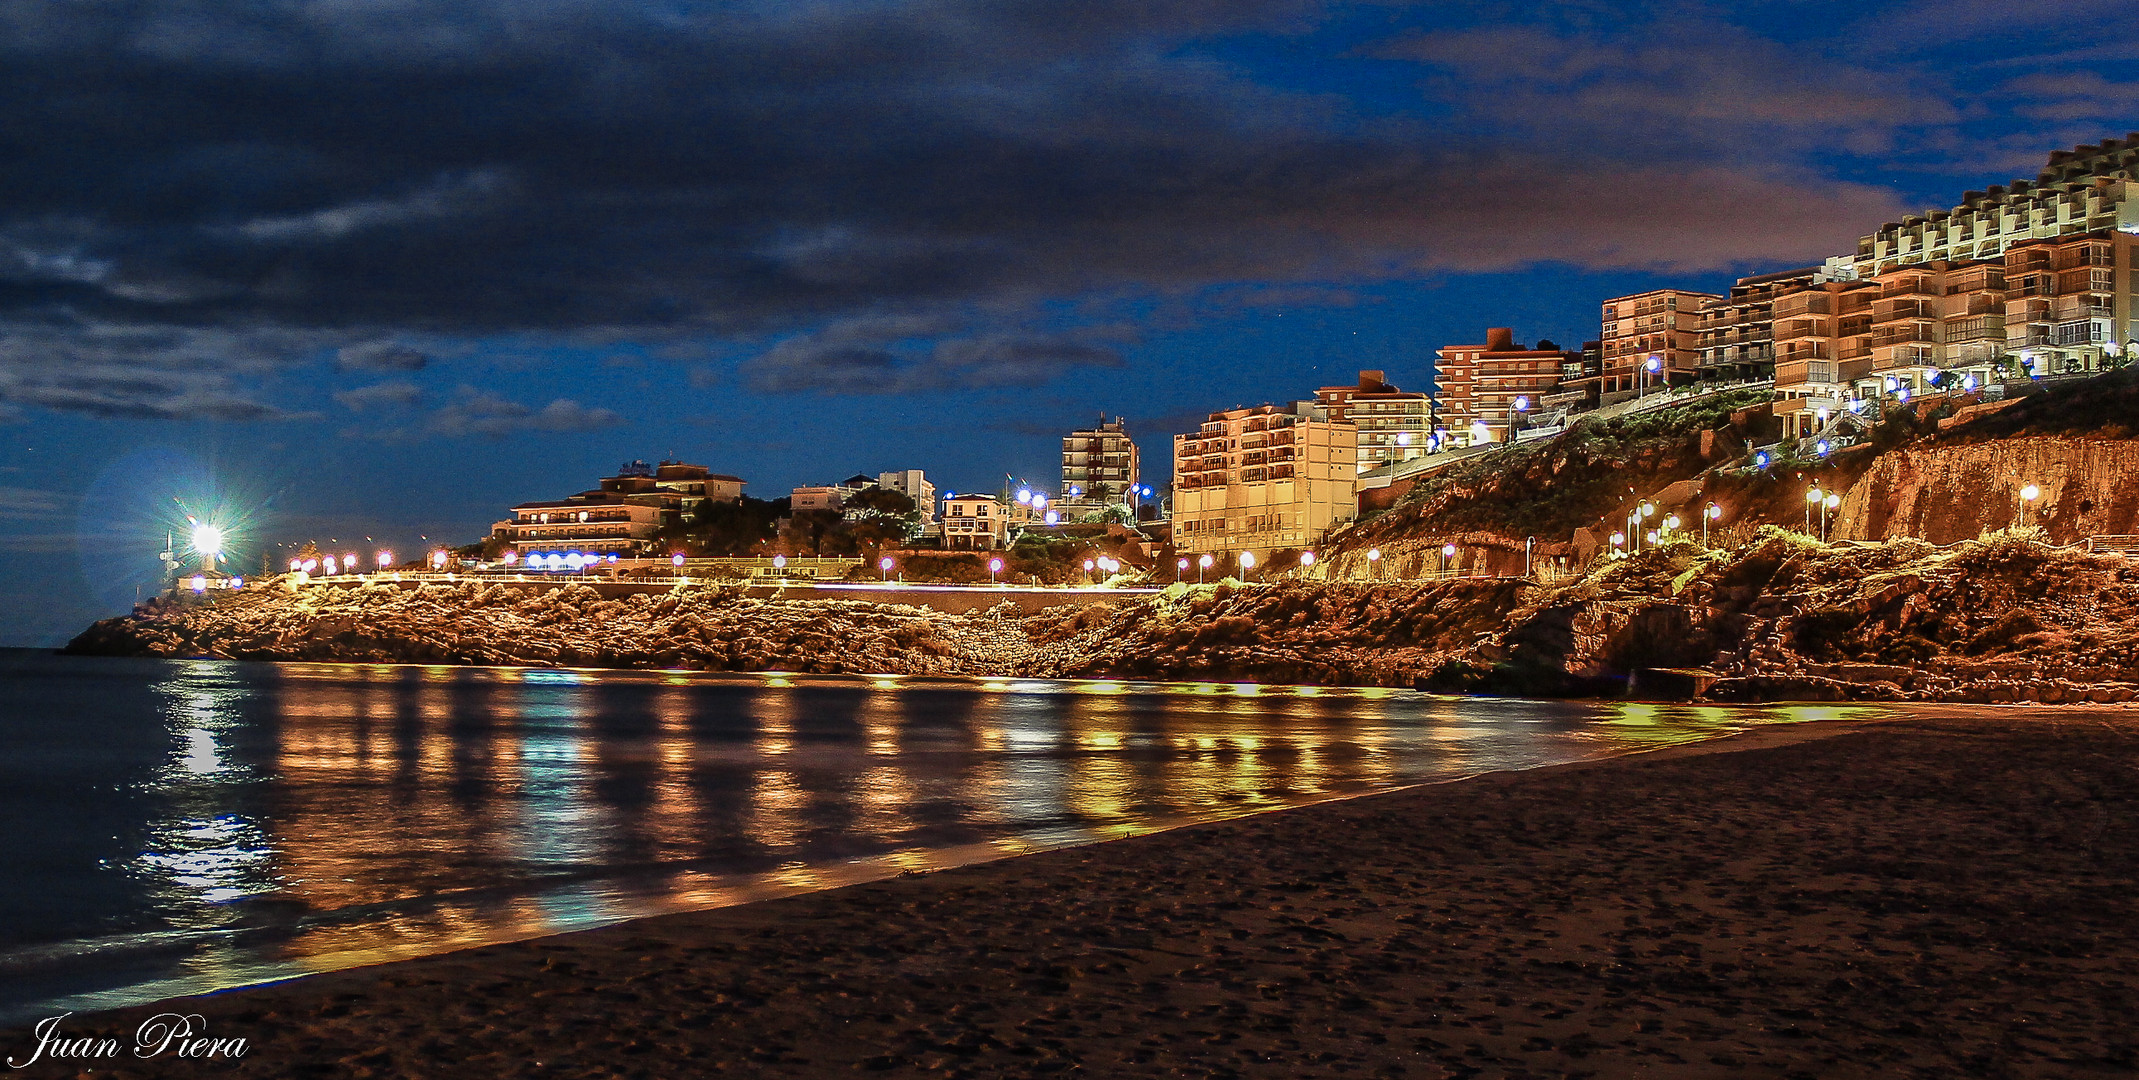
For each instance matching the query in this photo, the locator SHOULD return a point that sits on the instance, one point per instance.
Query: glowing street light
(1448, 551)
(1180, 569)
(386, 559)
(1202, 564)
(1619, 540)
(2028, 494)
(1812, 499)
(1088, 571)
(1711, 514)
(884, 566)
(1374, 564)
(1833, 500)
(1307, 559)
(1247, 563)
(995, 566)
(779, 562)
(676, 560)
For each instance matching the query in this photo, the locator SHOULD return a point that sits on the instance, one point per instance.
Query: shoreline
(1427, 928)
(720, 891)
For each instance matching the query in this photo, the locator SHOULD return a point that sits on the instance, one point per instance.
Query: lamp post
(1654, 364)
(1515, 415)
(1247, 564)
(1180, 569)
(1619, 540)
(2028, 494)
(1307, 561)
(884, 565)
(1448, 551)
(1812, 498)
(1203, 563)
(1712, 513)
(1832, 500)
(1373, 564)
(995, 566)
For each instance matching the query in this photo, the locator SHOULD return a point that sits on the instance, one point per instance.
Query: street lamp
(1307, 559)
(1654, 365)
(1448, 551)
(1374, 564)
(1087, 571)
(2028, 494)
(1829, 503)
(1202, 564)
(1180, 569)
(1712, 513)
(1247, 563)
(1515, 415)
(883, 566)
(995, 566)
(1619, 540)
(1812, 498)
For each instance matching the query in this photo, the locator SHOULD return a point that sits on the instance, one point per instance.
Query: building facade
(1257, 479)
(1393, 425)
(1490, 389)
(982, 522)
(1100, 465)
(595, 523)
(916, 486)
(1663, 325)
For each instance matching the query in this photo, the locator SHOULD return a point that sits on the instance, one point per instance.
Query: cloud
(886, 356)
(379, 356)
(480, 412)
(379, 395)
(354, 173)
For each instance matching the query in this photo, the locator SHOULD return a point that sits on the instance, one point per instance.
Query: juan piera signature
(181, 1035)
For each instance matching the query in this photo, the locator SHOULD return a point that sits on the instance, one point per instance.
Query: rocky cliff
(1784, 617)
(1947, 492)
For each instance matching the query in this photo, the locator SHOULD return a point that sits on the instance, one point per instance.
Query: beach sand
(1952, 896)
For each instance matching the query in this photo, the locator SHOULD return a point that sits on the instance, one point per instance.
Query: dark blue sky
(385, 268)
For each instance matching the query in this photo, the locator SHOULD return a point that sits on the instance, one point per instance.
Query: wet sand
(1951, 896)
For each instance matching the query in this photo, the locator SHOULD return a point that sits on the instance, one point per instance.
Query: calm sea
(174, 827)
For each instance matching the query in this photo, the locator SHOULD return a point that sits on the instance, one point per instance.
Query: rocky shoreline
(2004, 619)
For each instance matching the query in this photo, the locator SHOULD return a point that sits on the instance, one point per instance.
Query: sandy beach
(1952, 896)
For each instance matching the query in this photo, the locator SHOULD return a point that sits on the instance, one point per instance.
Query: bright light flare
(207, 540)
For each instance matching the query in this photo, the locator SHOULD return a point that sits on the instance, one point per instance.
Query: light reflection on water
(254, 821)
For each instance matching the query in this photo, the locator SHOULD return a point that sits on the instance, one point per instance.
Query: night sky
(375, 268)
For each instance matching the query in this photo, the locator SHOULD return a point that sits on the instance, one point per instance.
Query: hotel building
(1272, 476)
(1486, 389)
(1393, 425)
(593, 523)
(916, 486)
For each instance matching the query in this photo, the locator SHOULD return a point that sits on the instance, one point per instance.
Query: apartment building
(675, 487)
(1100, 465)
(1261, 478)
(1663, 324)
(2088, 189)
(915, 485)
(1393, 425)
(982, 522)
(1488, 389)
(1735, 335)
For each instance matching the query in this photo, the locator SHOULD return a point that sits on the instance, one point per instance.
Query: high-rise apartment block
(1393, 425)
(1487, 390)
(2034, 279)
(1663, 326)
(1254, 479)
(1099, 464)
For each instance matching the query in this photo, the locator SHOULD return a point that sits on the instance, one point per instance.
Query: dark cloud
(308, 180)
(885, 356)
(379, 356)
(479, 412)
(382, 394)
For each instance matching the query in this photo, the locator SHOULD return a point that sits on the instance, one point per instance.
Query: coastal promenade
(950, 599)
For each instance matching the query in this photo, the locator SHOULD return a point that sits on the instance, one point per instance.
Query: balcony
(1914, 285)
(1912, 308)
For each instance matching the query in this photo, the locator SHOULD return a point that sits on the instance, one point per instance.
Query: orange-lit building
(1257, 479)
(1394, 425)
(1486, 388)
(1663, 324)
